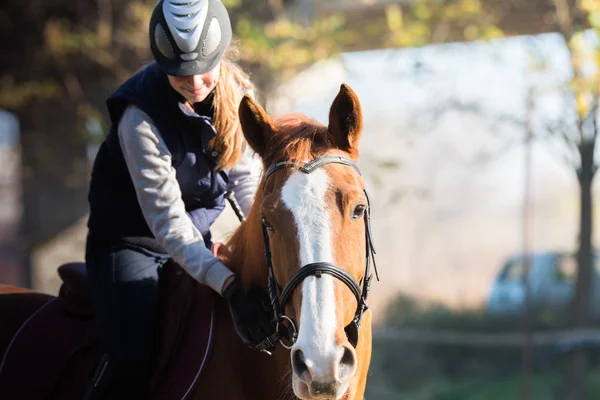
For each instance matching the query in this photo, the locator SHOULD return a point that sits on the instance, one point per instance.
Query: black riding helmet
(189, 37)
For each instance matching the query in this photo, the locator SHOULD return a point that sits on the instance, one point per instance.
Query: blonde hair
(232, 85)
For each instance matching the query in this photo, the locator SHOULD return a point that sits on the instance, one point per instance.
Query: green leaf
(594, 18)
(393, 14)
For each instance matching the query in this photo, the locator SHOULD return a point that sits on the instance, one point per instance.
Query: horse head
(308, 234)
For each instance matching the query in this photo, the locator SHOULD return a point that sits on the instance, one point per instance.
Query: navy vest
(115, 215)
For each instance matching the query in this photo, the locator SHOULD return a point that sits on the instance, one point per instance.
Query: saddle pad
(54, 353)
(40, 350)
(188, 327)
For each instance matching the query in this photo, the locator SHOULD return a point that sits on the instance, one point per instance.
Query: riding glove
(251, 313)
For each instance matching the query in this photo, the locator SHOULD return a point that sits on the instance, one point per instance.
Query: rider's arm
(244, 178)
(149, 162)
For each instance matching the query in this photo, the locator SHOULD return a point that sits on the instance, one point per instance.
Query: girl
(158, 183)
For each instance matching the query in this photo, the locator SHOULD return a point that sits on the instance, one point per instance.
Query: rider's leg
(124, 287)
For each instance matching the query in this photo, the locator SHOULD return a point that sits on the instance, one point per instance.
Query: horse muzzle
(322, 376)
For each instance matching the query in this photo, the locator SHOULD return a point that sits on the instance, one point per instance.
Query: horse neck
(244, 251)
(244, 255)
(236, 372)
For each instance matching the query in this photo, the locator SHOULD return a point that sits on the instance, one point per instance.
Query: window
(514, 271)
(566, 269)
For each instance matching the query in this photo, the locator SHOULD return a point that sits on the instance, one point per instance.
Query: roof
(513, 18)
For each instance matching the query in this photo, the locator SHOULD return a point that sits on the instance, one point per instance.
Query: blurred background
(479, 154)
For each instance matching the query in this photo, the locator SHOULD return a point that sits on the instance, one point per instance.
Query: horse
(306, 241)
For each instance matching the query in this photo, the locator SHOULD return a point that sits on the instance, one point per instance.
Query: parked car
(552, 277)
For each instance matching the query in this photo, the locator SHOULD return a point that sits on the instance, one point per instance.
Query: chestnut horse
(306, 240)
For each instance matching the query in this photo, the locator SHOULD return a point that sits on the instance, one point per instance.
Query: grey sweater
(149, 163)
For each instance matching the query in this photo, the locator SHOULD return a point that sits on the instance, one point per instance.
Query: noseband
(280, 297)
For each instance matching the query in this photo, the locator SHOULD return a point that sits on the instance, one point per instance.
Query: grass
(412, 371)
(543, 387)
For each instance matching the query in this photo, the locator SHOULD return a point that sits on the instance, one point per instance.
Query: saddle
(55, 352)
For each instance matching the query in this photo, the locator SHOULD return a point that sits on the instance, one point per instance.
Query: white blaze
(304, 195)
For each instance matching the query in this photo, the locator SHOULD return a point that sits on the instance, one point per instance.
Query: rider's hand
(251, 313)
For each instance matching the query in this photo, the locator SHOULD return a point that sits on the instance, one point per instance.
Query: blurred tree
(61, 59)
(435, 21)
(577, 128)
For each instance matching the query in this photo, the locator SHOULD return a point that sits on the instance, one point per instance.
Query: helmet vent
(213, 38)
(185, 20)
(186, 30)
(184, 3)
(162, 42)
(186, 15)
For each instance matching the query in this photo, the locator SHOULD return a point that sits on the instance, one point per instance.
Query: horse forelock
(298, 138)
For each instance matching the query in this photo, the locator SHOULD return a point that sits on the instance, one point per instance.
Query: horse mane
(297, 138)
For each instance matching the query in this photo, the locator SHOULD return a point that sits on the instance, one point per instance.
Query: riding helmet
(189, 37)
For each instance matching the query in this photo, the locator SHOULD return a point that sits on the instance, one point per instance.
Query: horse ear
(345, 121)
(256, 124)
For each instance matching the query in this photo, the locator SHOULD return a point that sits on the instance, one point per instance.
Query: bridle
(280, 297)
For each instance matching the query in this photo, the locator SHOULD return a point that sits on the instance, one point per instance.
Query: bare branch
(476, 109)
(595, 125)
(576, 77)
(559, 129)
(592, 116)
(484, 156)
(550, 130)
(571, 161)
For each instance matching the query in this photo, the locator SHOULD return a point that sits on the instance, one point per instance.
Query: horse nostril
(324, 388)
(347, 364)
(299, 363)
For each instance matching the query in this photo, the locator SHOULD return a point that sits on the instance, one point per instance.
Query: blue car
(552, 279)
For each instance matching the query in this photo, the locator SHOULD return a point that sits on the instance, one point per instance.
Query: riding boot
(103, 381)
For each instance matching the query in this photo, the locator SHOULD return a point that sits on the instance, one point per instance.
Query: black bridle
(279, 297)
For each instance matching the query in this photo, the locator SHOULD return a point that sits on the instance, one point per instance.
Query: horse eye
(267, 225)
(359, 211)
